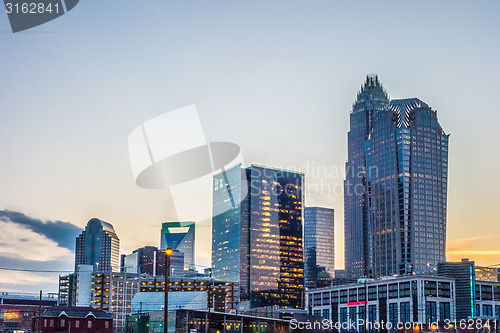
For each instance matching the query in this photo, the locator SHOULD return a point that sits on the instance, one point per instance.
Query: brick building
(75, 320)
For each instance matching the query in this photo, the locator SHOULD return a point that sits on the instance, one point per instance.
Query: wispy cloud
(484, 242)
(475, 238)
(25, 278)
(484, 249)
(474, 253)
(27, 282)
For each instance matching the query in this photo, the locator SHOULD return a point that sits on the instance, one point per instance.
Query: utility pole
(168, 252)
(210, 295)
(39, 326)
(140, 317)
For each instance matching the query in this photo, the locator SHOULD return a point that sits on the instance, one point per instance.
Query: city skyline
(65, 153)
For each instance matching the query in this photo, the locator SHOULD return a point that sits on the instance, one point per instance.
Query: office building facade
(371, 99)
(395, 210)
(107, 291)
(180, 236)
(151, 261)
(222, 296)
(319, 247)
(409, 153)
(478, 289)
(257, 234)
(72, 319)
(230, 229)
(142, 260)
(404, 299)
(99, 246)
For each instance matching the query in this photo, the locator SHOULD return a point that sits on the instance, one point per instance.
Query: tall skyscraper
(319, 243)
(180, 236)
(257, 234)
(99, 246)
(396, 186)
(230, 228)
(409, 151)
(371, 99)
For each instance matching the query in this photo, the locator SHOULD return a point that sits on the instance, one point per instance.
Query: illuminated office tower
(180, 236)
(395, 191)
(99, 246)
(319, 249)
(257, 234)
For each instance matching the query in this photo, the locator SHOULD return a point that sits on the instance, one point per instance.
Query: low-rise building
(487, 299)
(17, 310)
(73, 319)
(477, 289)
(222, 296)
(146, 302)
(183, 320)
(404, 299)
(113, 292)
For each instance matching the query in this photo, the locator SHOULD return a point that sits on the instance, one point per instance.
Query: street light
(168, 252)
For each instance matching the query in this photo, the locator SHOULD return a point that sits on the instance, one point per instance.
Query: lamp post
(168, 252)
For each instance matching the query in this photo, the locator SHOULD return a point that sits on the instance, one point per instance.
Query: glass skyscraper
(371, 99)
(319, 247)
(257, 234)
(99, 246)
(230, 229)
(398, 211)
(180, 236)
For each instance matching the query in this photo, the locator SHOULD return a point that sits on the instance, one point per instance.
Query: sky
(278, 78)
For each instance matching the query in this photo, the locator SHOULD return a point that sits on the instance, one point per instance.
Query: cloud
(17, 241)
(471, 241)
(481, 249)
(474, 243)
(24, 278)
(28, 243)
(26, 282)
(63, 233)
(474, 253)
